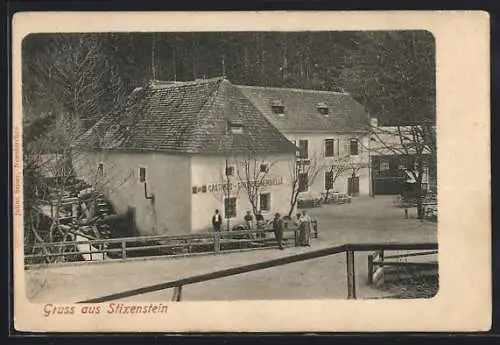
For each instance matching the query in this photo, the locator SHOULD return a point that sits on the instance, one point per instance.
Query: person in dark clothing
(278, 229)
(248, 220)
(217, 221)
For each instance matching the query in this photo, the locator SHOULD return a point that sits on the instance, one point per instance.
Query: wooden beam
(351, 275)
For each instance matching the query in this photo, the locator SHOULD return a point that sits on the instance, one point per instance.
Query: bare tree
(338, 166)
(52, 168)
(393, 75)
(70, 74)
(252, 171)
(68, 84)
(229, 186)
(415, 147)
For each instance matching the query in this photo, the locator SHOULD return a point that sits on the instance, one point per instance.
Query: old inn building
(176, 151)
(330, 129)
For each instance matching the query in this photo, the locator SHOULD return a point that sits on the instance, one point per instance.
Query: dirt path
(365, 220)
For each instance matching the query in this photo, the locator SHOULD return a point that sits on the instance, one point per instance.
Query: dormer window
(323, 108)
(236, 127)
(278, 107)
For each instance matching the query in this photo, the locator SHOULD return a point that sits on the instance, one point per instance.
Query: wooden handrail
(211, 235)
(348, 248)
(225, 237)
(363, 247)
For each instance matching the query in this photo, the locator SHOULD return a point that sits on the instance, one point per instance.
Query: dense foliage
(391, 73)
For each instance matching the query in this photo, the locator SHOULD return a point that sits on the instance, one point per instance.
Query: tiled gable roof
(189, 117)
(301, 109)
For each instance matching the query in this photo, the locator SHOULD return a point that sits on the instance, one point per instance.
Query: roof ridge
(293, 89)
(160, 84)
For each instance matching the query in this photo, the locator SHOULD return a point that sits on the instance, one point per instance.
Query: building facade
(400, 155)
(220, 182)
(330, 130)
(175, 152)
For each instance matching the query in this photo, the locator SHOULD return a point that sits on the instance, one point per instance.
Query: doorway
(353, 186)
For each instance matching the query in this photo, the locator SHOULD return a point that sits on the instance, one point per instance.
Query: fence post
(74, 214)
(177, 295)
(90, 250)
(124, 250)
(217, 242)
(351, 275)
(315, 227)
(370, 269)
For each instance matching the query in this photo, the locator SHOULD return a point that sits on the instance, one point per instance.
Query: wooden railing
(378, 261)
(349, 249)
(129, 247)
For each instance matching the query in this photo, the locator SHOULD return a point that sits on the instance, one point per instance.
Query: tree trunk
(420, 195)
(293, 201)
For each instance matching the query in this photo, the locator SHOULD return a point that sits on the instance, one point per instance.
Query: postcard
(278, 171)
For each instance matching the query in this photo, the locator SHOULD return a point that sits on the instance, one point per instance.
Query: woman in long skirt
(305, 229)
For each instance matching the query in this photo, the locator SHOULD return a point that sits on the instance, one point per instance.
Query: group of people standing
(303, 222)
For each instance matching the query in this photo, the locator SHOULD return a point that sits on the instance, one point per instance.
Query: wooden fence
(349, 249)
(378, 263)
(144, 246)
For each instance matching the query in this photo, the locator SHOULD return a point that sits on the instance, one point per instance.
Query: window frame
(323, 110)
(301, 150)
(233, 214)
(351, 140)
(278, 109)
(229, 168)
(332, 140)
(236, 127)
(100, 169)
(141, 169)
(268, 196)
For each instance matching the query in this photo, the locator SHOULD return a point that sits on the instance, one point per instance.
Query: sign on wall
(218, 187)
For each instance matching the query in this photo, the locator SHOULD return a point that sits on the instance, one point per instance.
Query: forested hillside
(84, 76)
